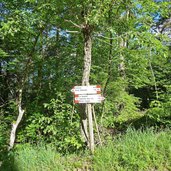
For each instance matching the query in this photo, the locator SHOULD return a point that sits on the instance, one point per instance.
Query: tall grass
(44, 158)
(37, 158)
(136, 151)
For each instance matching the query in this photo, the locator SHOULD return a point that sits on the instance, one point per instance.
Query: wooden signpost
(88, 95)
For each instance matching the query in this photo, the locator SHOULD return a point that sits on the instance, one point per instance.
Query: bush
(160, 112)
(59, 125)
(3, 138)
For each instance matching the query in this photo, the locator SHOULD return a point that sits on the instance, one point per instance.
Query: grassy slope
(134, 151)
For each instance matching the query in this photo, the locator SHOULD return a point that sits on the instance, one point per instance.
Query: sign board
(89, 98)
(95, 89)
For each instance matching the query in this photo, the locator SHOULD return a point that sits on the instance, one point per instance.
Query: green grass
(43, 158)
(134, 151)
(37, 158)
(33, 158)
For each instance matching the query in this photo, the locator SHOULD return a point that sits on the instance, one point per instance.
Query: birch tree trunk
(20, 92)
(19, 118)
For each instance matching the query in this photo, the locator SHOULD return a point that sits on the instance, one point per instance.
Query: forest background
(42, 57)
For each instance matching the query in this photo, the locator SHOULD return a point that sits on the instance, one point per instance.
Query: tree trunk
(109, 69)
(90, 124)
(109, 74)
(22, 81)
(15, 125)
(123, 44)
(87, 54)
(121, 66)
(87, 111)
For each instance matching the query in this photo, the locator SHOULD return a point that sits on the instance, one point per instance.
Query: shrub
(59, 125)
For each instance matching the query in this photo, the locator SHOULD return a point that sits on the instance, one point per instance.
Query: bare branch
(76, 25)
(112, 38)
(70, 31)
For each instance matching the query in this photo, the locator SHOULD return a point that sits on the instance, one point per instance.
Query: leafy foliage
(59, 126)
(160, 111)
(41, 54)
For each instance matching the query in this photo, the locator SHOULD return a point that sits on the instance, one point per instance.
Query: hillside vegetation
(117, 52)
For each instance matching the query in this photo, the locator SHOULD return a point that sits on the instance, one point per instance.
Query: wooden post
(95, 121)
(90, 123)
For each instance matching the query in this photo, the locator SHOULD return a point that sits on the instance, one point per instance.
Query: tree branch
(76, 25)
(70, 31)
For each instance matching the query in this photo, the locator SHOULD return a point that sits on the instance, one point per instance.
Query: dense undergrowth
(135, 150)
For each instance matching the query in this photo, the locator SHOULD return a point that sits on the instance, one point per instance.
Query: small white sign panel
(96, 98)
(96, 89)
